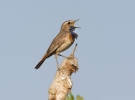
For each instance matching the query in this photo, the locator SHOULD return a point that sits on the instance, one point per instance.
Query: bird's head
(69, 25)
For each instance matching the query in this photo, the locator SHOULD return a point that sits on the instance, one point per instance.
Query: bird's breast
(69, 40)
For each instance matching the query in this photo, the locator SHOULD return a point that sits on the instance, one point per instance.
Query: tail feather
(41, 61)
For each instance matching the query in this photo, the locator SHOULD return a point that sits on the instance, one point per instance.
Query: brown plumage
(61, 42)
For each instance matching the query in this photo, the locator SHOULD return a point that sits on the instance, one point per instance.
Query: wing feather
(56, 43)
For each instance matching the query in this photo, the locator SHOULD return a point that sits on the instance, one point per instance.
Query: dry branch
(62, 82)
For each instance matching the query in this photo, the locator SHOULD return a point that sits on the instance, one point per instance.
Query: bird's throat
(74, 35)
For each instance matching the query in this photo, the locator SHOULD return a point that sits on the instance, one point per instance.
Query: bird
(64, 39)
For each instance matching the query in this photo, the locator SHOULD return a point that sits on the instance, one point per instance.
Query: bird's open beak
(76, 27)
(74, 22)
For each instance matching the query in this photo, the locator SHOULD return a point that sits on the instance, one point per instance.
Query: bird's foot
(63, 56)
(58, 67)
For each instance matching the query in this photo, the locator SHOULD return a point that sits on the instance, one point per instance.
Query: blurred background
(105, 52)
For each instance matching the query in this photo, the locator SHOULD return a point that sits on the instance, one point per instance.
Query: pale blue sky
(106, 47)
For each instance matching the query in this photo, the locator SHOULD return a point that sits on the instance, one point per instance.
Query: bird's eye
(68, 22)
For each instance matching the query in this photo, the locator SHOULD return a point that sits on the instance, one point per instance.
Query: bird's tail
(41, 61)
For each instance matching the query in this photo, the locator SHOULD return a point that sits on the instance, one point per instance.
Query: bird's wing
(56, 43)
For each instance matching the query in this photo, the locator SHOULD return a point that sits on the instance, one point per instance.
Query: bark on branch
(62, 82)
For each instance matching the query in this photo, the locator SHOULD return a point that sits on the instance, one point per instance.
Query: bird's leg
(63, 56)
(56, 56)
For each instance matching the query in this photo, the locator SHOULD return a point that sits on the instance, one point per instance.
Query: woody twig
(62, 83)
